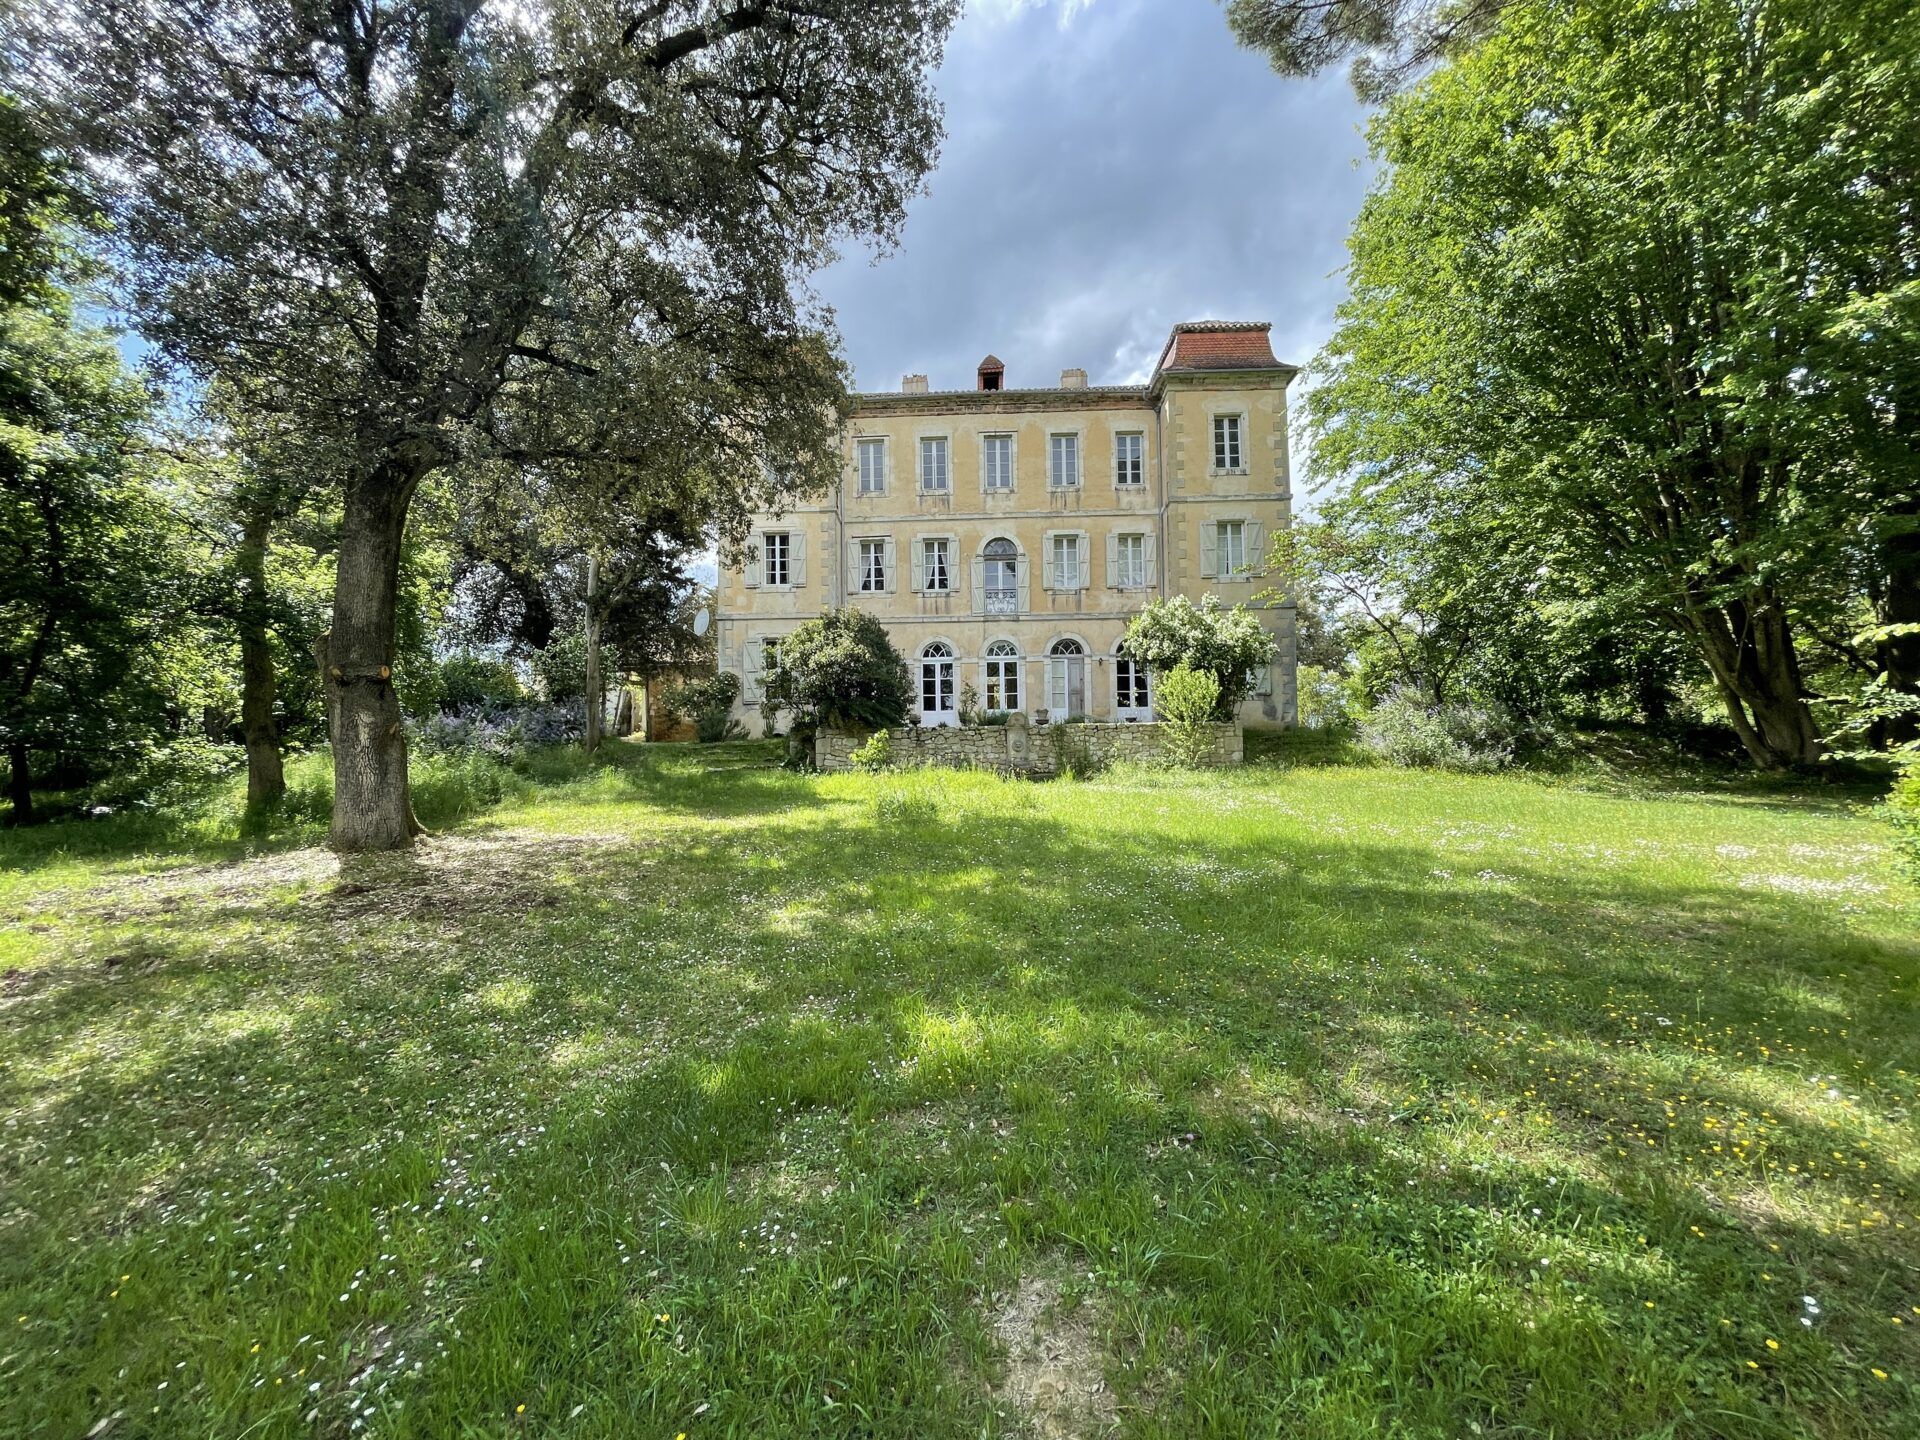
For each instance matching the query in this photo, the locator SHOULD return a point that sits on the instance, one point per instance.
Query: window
(769, 654)
(777, 558)
(873, 466)
(1130, 697)
(936, 683)
(996, 462)
(1129, 459)
(1067, 679)
(936, 574)
(873, 566)
(933, 464)
(1001, 574)
(1063, 461)
(1003, 676)
(1064, 553)
(1226, 442)
(1232, 548)
(1129, 562)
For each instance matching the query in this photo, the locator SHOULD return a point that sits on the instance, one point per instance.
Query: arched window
(1132, 700)
(1002, 577)
(1003, 676)
(1066, 678)
(936, 684)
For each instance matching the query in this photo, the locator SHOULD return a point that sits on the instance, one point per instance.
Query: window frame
(1054, 437)
(1000, 671)
(1222, 569)
(1137, 580)
(944, 443)
(1236, 463)
(988, 440)
(785, 537)
(862, 446)
(946, 545)
(873, 564)
(1138, 459)
(1141, 689)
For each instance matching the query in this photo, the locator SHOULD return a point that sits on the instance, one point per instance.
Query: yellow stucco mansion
(1006, 535)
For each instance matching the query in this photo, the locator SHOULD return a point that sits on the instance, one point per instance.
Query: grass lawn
(689, 1095)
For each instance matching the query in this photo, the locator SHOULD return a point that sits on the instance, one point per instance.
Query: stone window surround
(1079, 434)
(1012, 437)
(920, 437)
(1240, 413)
(917, 561)
(1083, 567)
(1131, 487)
(885, 442)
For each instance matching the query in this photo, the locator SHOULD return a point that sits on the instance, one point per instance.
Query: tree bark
(372, 808)
(19, 784)
(596, 686)
(266, 777)
(1749, 648)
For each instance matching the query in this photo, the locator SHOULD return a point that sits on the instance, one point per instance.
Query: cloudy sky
(1110, 167)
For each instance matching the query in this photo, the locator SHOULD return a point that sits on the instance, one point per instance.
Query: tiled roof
(1219, 345)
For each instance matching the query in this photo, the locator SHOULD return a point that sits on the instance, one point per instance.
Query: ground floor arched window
(1066, 679)
(937, 705)
(1002, 676)
(1131, 697)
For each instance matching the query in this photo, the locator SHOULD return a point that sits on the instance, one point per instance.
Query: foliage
(842, 671)
(1649, 193)
(1407, 728)
(875, 753)
(1229, 644)
(1187, 702)
(1390, 42)
(560, 670)
(467, 681)
(502, 734)
(706, 703)
(1903, 809)
(593, 1026)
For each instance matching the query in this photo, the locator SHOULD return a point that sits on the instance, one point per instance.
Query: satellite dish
(702, 621)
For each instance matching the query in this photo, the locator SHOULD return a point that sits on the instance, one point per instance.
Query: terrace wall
(1023, 749)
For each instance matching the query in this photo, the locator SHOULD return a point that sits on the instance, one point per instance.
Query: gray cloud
(1111, 167)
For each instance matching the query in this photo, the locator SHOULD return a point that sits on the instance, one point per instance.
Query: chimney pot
(1073, 379)
(913, 384)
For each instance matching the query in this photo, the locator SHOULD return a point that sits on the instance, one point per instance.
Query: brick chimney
(1073, 379)
(991, 375)
(913, 384)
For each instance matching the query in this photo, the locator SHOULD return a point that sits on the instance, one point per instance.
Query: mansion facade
(1005, 537)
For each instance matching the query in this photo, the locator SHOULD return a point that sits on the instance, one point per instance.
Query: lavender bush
(501, 734)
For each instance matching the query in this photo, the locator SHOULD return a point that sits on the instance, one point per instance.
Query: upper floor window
(873, 566)
(873, 466)
(1232, 543)
(1000, 577)
(1129, 561)
(1129, 458)
(1063, 461)
(1065, 562)
(1226, 443)
(777, 558)
(936, 568)
(933, 464)
(996, 462)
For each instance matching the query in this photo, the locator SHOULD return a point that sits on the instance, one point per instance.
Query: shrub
(1405, 729)
(1903, 808)
(706, 703)
(452, 786)
(1229, 644)
(842, 671)
(162, 774)
(561, 668)
(875, 755)
(474, 682)
(500, 735)
(1187, 700)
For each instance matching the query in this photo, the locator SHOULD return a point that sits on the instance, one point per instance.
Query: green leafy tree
(1229, 643)
(842, 671)
(1611, 300)
(570, 234)
(1187, 702)
(1389, 42)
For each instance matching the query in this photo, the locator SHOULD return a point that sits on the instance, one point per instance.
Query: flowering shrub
(1404, 729)
(1229, 643)
(500, 735)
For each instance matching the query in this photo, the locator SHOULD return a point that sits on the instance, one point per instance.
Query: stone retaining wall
(1019, 747)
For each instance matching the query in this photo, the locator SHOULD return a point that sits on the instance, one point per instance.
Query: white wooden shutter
(750, 571)
(1084, 553)
(756, 652)
(979, 585)
(886, 565)
(1150, 551)
(1113, 560)
(1209, 548)
(853, 567)
(1256, 546)
(1049, 571)
(919, 563)
(797, 559)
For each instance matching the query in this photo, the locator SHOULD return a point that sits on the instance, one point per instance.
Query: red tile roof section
(1219, 345)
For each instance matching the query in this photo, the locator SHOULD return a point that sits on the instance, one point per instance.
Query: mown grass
(685, 1094)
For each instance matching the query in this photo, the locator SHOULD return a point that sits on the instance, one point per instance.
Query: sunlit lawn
(1317, 1102)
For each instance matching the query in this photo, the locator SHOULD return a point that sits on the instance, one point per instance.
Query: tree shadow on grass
(1234, 1083)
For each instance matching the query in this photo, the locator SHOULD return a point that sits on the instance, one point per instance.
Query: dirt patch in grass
(503, 872)
(1053, 1379)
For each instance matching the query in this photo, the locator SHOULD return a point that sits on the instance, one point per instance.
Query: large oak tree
(568, 232)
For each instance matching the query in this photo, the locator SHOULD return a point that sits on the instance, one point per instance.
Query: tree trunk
(266, 779)
(19, 784)
(1749, 648)
(623, 712)
(596, 687)
(372, 809)
(1899, 604)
